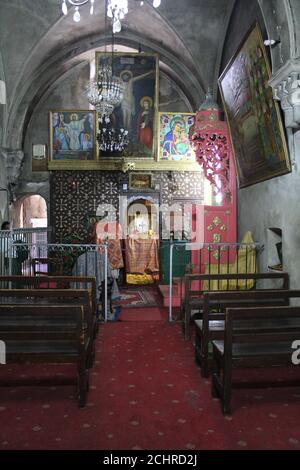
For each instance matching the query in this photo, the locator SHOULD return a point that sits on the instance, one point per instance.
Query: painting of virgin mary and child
(174, 137)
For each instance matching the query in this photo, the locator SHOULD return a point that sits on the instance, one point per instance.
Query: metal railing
(9, 253)
(19, 257)
(209, 258)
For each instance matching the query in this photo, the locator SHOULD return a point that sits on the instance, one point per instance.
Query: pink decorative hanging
(212, 154)
(211, 142)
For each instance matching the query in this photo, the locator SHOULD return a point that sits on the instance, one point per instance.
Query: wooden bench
(63, 297)
(193, 297)
(211, 327)
(52, 282)
(254, 337)
(62, 282)
(50, 334)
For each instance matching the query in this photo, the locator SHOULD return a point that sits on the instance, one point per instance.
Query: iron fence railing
(208, 258)
(166, 262)
(19, 257)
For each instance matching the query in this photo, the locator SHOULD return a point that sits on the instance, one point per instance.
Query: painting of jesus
(136, 113)
(72, 135)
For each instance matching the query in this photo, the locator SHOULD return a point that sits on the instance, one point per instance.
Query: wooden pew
(63, 297)
(50, 334)
(62, 282)
(211, 327)
(51, 282)
(254, 337)
(193, 298)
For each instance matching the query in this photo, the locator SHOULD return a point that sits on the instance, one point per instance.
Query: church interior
(149, 241)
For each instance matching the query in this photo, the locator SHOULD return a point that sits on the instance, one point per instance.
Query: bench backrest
(82, 282)
(221, 301)
(42, 329)
(63, 297)
(47, 294)
(262, 325)
(190, 279)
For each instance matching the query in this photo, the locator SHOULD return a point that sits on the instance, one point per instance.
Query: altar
(141, 260)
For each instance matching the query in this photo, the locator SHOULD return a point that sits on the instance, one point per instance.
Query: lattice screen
(76, 195)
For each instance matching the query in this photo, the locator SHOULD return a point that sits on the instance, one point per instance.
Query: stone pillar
(13, 162)
(286, 89)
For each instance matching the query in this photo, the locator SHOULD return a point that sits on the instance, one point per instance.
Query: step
(165, 292)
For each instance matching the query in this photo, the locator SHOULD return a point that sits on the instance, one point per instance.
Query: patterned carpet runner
(146, 392)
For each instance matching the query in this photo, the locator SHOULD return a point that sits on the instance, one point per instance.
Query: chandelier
(109, 140)
(105, 93)
(116, 10)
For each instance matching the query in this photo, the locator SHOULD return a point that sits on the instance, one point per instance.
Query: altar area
(141, 243)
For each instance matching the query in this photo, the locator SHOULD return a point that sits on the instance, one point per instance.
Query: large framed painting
(138, 109)
(174, 137)
(72, 136)
(253, 116)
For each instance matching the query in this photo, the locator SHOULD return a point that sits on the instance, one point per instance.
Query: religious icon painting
(174, 137)
(72, 137)
(136, 114)
(140, 181)
(253, 116)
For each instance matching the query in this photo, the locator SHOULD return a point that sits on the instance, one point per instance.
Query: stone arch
(23, 109)
(39, 74)
(40, 207)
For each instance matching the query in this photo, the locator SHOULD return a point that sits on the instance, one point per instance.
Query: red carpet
(146, 393)
(145, 314)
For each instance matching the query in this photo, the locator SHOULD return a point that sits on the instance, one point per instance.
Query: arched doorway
(142, 217)
(30, 212)
(140, 214)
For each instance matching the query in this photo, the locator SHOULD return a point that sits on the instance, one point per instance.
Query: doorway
(140, 215)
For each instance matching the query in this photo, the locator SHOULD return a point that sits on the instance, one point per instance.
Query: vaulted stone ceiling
(38, 45)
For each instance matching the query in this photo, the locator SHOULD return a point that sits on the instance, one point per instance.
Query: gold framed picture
(174, 137)
(140, 181)
(137, 112)
(72, 138)
(254, 118)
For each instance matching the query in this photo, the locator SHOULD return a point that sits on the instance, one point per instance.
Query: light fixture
(272, 42)
(77, 4)
(110, 140)
(115, 9)
(106, 92)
